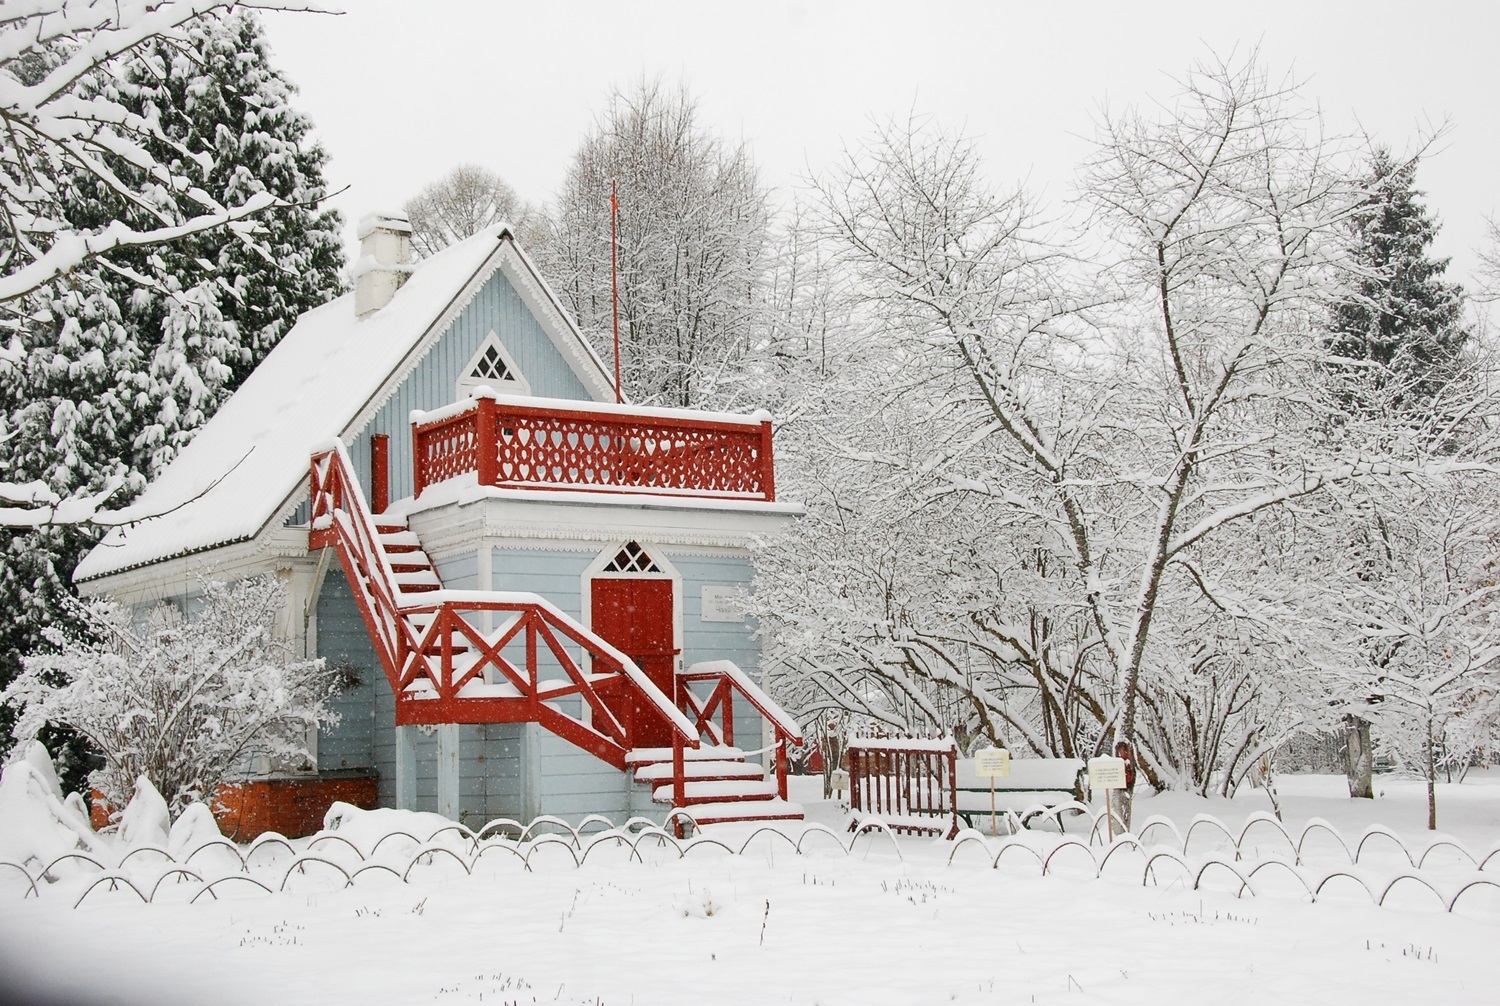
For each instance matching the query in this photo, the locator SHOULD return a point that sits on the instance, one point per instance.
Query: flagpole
(614, 277)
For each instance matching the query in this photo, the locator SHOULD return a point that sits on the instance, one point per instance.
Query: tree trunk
(1358, 758)
(1431, 784)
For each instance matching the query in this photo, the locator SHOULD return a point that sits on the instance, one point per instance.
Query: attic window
(492, 366)
(632, 559)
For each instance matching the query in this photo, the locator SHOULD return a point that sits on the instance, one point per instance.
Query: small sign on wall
(723, 604)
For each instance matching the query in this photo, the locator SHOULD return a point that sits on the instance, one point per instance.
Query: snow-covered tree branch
(56, 133)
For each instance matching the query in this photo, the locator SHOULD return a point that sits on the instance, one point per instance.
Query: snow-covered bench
(1048, 782)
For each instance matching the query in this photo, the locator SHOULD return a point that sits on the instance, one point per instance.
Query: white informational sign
(723, 604)
(1107, 773)
(992, 762)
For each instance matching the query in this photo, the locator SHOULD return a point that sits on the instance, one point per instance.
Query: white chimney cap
(370, 222)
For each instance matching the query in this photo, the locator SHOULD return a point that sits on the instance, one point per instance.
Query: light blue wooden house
(540, 591)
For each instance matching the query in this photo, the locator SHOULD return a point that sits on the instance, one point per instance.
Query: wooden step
(718, 791)
(705, 752)
(699, 770)
(410, 567)
(745, 810)
(385, 526)
(423, 578)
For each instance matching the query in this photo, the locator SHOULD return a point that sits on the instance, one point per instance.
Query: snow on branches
(1082, 493)
(56, 132)
(184, 700)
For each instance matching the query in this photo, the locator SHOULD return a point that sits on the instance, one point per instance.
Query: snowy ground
(881, 925)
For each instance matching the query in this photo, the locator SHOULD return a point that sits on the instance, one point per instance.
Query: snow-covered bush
(183, 704)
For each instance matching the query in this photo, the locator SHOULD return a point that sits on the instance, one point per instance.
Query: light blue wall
(459, 572)
(496, 307)
(721, 640)
(555, 574)
(343, 640)
(568, 782)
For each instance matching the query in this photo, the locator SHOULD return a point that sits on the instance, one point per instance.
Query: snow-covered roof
(248, 460)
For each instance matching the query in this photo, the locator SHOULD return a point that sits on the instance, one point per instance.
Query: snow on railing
(727, 678)
(912, 783)
(513, 441)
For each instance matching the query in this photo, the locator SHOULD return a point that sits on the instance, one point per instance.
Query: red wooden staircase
(472, 656)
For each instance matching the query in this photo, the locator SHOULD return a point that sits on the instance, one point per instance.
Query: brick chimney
(384, 260)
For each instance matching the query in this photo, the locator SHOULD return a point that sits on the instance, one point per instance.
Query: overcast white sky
(401, 91)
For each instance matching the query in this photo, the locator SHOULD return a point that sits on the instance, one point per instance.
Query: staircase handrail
(518, 600)
(358, 531)
(728, 673)
(706, 670)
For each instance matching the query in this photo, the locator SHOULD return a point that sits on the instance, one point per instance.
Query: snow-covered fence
(1316, 864)
(909, 783)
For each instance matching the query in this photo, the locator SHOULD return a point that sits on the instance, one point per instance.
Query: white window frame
(465, 385)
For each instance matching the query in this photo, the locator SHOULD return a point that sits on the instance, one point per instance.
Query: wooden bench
(1049, 782)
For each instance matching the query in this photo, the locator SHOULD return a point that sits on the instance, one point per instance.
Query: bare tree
(461, 204)
(692, 247)
(1104, 453)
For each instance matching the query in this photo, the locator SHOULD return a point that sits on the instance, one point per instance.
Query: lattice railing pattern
(519, 446)
(447, 448)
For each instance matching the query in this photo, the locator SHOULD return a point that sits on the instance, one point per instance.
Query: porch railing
(530, 443)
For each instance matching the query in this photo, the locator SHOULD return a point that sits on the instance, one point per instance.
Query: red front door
(635, 615)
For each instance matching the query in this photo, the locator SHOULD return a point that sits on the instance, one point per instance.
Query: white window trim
(465, 385)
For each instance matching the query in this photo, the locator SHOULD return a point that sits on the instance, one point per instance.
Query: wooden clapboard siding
(343, 640)
(555, 574)
(498, 308)
(384, 745)
(459, 572)
(721, 640)
(490, 772)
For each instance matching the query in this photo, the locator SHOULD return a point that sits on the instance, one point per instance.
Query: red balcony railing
(529, 443)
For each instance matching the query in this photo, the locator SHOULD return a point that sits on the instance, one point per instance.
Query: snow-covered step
(417, 562)
(745, 810)
(707, 752)
(718, 791)
(420, 580)
(660, 771)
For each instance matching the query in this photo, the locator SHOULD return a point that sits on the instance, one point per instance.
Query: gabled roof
(323, 380)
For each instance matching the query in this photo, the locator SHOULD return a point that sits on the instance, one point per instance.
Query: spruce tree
(1401, 326)
(126, 358)
(1401, 337)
